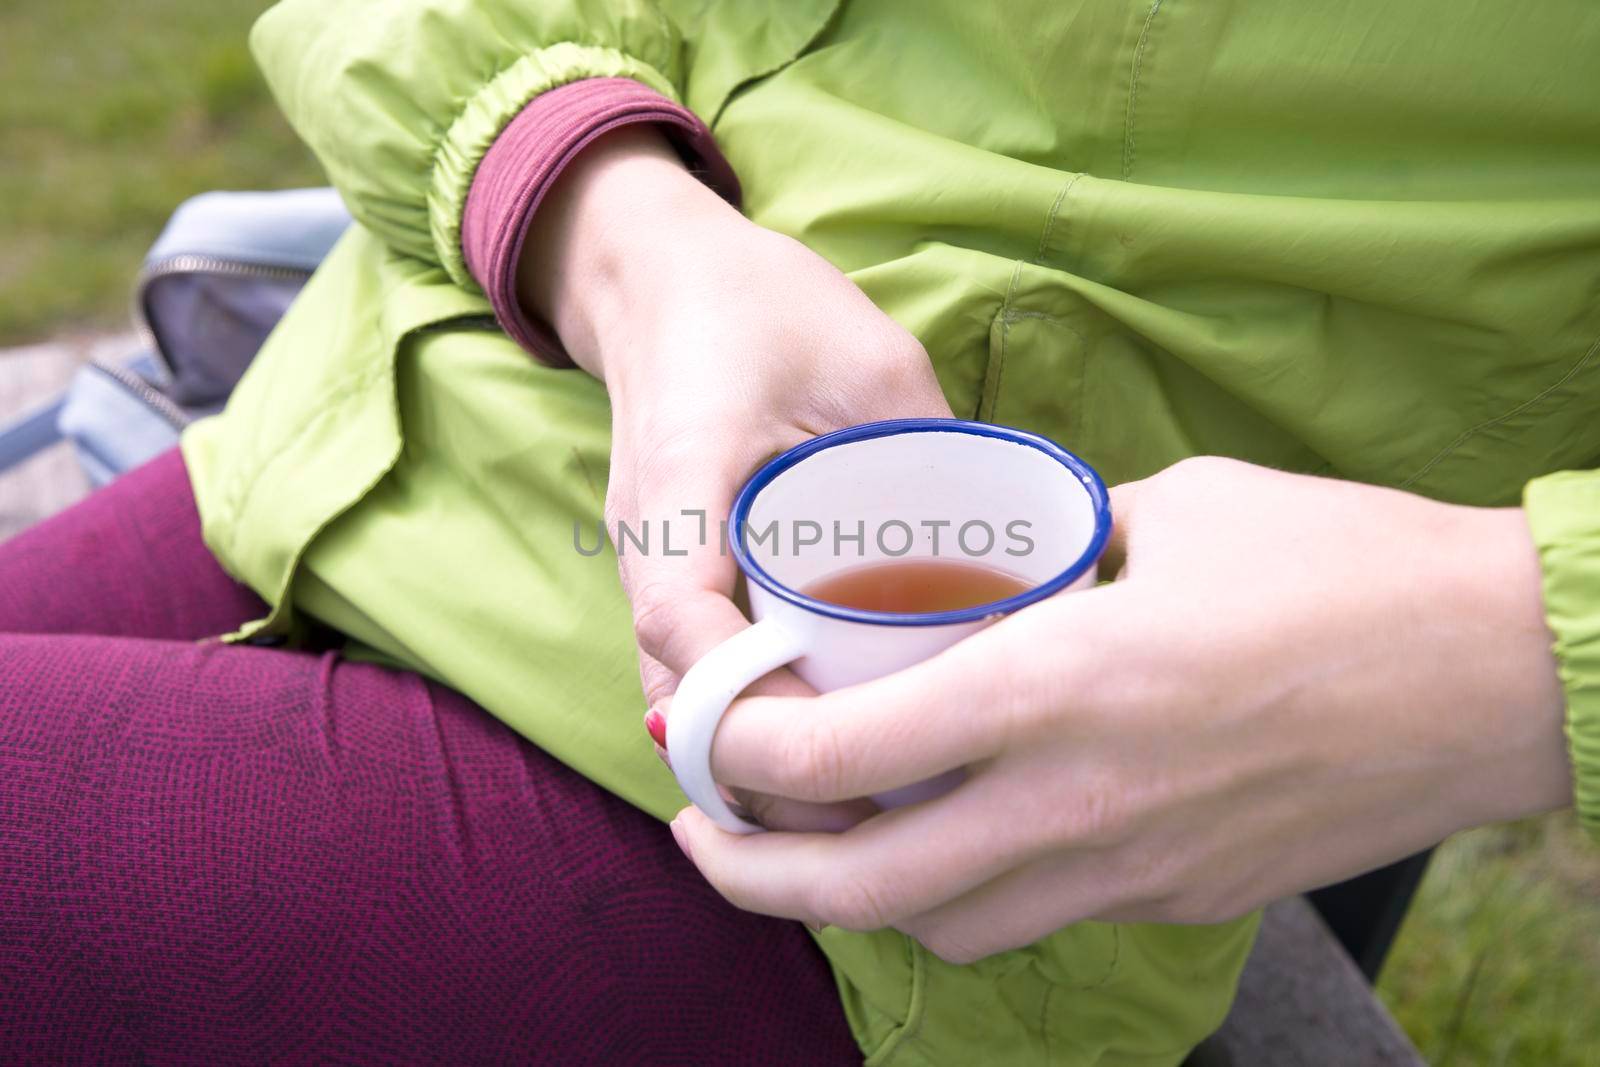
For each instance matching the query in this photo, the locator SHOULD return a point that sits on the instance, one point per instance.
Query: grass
(110, 115)
(1498, 963)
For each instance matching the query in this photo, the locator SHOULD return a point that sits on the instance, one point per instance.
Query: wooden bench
(1303, 1002)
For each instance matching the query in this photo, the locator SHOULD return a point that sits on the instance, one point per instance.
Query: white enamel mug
(904, 489)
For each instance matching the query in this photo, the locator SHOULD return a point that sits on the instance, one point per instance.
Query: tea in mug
(917, 586)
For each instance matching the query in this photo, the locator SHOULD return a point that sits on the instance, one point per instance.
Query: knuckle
(896, 373)
(654, 617)
(620, 509)
(1189, 909)
(852, 903)
(906, 363)
(902, 352)
(952, 947)
(614, 508)
(1150, 884)
(813, 763)
(668, 446)
(1016, 720)
(656, 681)
(1200, 465)
(735, 892)
(1096, 816)
(1198, 474)
(1160, 889)
(1208, 903)
(1071, 686)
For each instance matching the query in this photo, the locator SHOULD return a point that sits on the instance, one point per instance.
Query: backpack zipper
(153, 398)
(187, 263)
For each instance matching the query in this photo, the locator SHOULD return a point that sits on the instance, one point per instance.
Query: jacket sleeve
(528, 158)
(1563, 512)
(400, 99)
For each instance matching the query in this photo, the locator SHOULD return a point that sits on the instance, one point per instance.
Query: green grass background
(1498, 962)
(111, 113)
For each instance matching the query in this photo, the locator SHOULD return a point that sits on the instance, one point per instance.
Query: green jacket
(1356, 238)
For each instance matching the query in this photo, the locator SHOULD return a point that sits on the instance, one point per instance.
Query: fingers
(1114, 884)
(1015, 909)
(891, 867)
(967, 704)
(852, 743)
(782, 813)
(843, 745)
(978, 893)
(970, 905)
(794, 816)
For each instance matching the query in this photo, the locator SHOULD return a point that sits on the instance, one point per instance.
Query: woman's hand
(720, 344)
(1293, 681)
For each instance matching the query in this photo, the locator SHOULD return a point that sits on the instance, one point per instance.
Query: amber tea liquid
(917, 586)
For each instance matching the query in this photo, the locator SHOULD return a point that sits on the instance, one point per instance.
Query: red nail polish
(656, 724)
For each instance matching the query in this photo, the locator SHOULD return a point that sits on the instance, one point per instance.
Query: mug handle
(703, 698)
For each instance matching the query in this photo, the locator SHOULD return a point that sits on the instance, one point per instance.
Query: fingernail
(656, 724)
(661, 754)
(816, 928)
(681, 836)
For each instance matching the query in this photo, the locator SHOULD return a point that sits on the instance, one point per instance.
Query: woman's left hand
(1293, 680)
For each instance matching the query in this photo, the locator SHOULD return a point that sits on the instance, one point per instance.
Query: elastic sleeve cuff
(1563, 512)
(529, 155)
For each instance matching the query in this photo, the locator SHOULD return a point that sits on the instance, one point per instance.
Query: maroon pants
(219, 854)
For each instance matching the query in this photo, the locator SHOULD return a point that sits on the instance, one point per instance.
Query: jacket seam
(916, 1008)
(1009, 315)
(1044, 1017)
(1129, 148)
(1489, 424)
(760, 74)
(1050, 219)
(989, 394)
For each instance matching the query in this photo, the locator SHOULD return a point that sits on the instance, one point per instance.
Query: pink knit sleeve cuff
(524, 163)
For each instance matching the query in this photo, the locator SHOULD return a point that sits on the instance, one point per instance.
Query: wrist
(1502, 584)
(611, 239)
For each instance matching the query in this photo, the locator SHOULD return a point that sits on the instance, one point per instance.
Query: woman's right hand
(1293, 680)
(720, 344)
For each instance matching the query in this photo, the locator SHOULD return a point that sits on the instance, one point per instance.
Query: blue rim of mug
(891, 428)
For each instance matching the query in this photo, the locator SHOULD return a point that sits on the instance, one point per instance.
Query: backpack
(216, 281)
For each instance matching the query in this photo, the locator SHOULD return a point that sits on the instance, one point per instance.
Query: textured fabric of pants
(221, 854)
